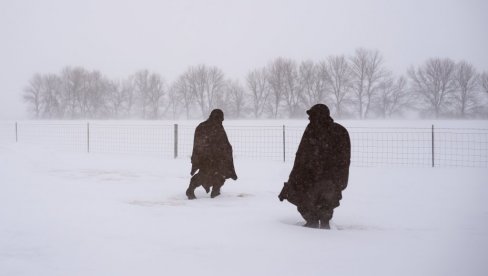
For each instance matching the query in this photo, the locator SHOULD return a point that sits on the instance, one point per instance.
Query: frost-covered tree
(73, 86)
(466, 95)
(205, 85)
(313, 79)
(367, 72)
(340, 82)
(434, 84)
(51, 95)
(174, 101)
(276, 82)
(292, 91)
(141, 89)
(184, 90)
(157, 89)
(257, 83)
(484, 81)
(236, 99)
(119, 99)
(93, 96)
(32, 95)
(393, 97)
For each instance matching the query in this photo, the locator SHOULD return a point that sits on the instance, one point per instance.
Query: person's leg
(194, 183)
(329, 202)
(311, 218)
(325, 217)
(218, 182)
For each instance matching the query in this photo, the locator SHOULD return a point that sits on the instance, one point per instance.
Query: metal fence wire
(371, 146)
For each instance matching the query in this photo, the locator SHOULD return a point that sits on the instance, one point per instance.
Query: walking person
(321, 169)
(211, 157)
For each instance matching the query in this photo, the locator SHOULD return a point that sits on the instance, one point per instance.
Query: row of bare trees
(78, 93)
(359, 86)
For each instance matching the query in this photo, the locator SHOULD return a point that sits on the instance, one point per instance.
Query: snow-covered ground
(72, 213)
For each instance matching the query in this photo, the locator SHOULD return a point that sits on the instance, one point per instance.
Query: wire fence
(371, 146)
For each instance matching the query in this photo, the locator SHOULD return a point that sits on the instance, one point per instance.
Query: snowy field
(73, 213)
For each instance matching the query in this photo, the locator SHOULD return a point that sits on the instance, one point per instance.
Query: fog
(119, 37)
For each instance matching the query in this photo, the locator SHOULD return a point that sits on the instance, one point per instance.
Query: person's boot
(190, 193)
(215, 192)
(312, 224)
(325, 219)
(324, 224)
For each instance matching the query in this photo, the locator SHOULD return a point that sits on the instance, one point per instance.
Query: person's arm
(195, 156)
(344, 159)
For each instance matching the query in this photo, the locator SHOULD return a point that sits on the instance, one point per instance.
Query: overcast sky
(119, 37)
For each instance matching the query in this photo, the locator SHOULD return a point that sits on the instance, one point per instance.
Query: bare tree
(312, 82)
(157, 88)
(367, 72)
(174, 99)
(77, 93)
(434, 83)
(118, 97)
(214, 85)
(94, 96)
(484, 81)
(257, 82)
(292, 92)
(141, 89)
(33, 95)
(149, 90)
(51, 96)
(466, 79)
(339, 81)
(184, 91)
(236, 98)
(128, 96)
(205, 84)
(73, 85)
(393, 97)
(277, 81)
(83, 99)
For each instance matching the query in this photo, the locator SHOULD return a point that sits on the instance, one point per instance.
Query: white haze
(119, 37)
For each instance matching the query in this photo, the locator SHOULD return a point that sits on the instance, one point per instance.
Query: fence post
(88, 137)
(433, 164)
(284, 148)
(16, 133)
(176, 141)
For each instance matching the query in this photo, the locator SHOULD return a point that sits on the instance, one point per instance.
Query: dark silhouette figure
(321, 169)
(212, 156)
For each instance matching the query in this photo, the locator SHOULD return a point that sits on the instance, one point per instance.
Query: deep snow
(65, 213)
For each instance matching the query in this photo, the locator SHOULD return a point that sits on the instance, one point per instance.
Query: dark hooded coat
(212, 152)
(321, 168)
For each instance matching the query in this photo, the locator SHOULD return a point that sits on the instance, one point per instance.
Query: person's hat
(320, 110)
(217, 114)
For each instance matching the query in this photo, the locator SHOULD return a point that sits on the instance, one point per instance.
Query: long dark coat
(321, 167)
(212, 152)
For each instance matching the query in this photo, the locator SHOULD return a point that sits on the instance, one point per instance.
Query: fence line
(374, 146)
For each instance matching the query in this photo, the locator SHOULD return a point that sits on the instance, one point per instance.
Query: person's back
(321, 168)
(208, 136)
(212, 156)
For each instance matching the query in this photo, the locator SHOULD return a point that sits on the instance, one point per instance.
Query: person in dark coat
(211, 157)
(321, 169)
